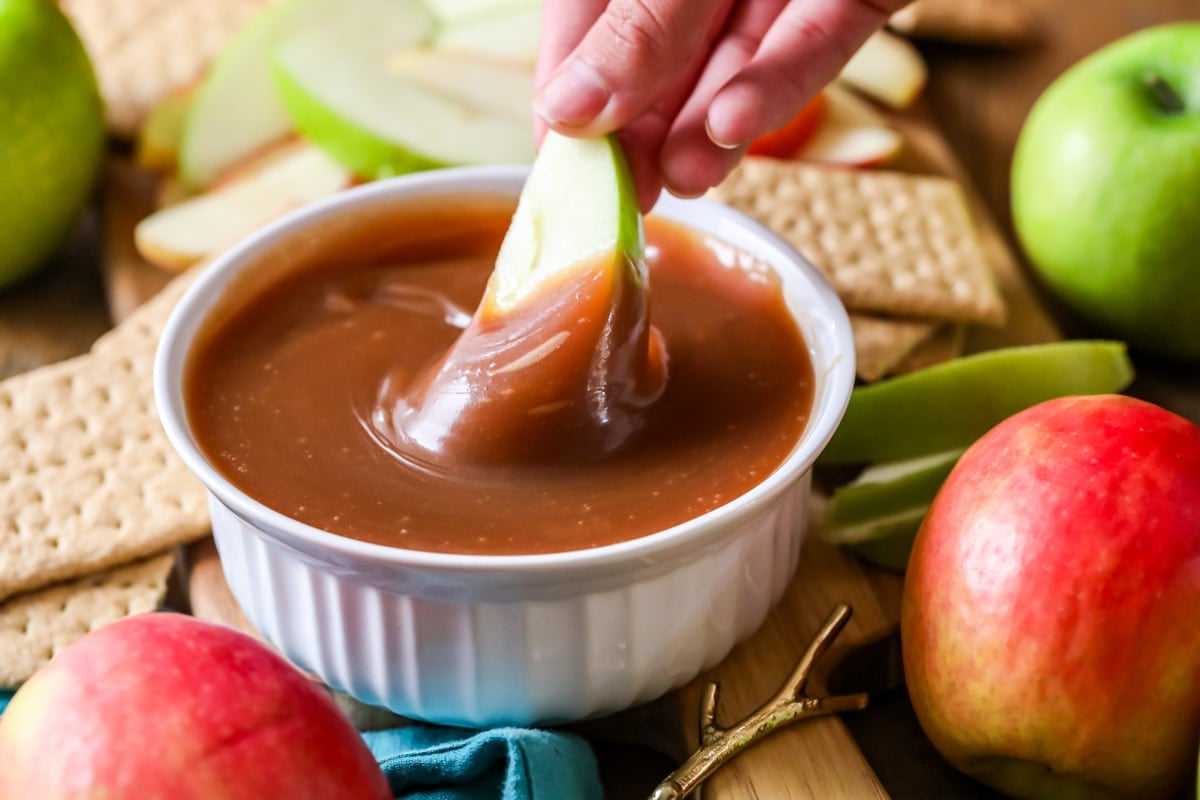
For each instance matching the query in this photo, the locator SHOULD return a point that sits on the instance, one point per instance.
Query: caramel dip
(346, 395)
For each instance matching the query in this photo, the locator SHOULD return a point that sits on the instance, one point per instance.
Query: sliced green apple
(559, 360)
(579, 203)
(379, 113)
(265, 187)
(509, 33)
(238, 109)
(949, 405)
(877, 514)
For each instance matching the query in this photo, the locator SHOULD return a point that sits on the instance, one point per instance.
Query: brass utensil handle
(791, 703)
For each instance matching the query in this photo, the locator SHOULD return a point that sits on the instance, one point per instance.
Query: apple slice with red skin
(853, 133)
(785, 142)
(249, 195)
(559, 360)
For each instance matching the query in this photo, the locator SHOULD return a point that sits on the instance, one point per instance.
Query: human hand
(690, 83)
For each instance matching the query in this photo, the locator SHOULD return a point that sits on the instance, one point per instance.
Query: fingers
(635, 53)
(771, 61)
(564, 24)
(690, 162)
(803, 50)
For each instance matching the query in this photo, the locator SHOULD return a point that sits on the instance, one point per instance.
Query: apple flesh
(1047, 612)
(237, 109)
(267, 186)
(852, 133)
(559, 359)
(510, 33)
(1106, 189)
(888, 69)
(163, 705)
(382, 111)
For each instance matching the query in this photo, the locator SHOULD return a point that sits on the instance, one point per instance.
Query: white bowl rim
(197, 300)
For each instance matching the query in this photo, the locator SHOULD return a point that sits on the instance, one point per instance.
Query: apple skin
(163, 705)
(1106, 190)
(1047, 615)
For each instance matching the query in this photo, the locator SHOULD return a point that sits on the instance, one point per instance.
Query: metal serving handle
(790, 704)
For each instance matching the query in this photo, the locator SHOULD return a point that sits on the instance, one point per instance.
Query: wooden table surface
(979, 99)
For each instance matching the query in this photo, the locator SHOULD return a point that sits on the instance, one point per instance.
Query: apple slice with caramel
(559, 361)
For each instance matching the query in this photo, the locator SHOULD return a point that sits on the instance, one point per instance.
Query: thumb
(634, 53)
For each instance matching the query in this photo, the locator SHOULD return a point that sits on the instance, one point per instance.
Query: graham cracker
(996, 23)
(945, 344)
(889, 243)
(36, 625)
(88, 479)
(881, 343)
(142, 50)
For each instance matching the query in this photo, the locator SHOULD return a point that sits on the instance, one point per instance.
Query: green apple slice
(950, 405)
(237, 109)
(381, 111)
(549, 235)
(878, 514)
(559, 360)
(509, 33)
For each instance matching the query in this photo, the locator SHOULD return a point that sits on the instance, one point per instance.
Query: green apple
(238, 110)
(382, 109)
(1106, 189)
(51, 136)
(950, 405)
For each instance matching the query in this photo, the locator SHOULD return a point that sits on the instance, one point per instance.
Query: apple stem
(1164, 94)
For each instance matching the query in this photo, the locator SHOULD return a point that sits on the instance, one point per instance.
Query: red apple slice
(887, 68)
(854, 133)
(273, 183)
(785, 142)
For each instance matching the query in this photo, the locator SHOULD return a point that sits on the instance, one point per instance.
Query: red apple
(1048, 620)
(163, 706)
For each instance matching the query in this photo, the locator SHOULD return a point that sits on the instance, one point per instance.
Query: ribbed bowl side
(513, 659)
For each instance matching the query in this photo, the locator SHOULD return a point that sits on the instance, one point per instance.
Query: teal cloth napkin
(426, 762)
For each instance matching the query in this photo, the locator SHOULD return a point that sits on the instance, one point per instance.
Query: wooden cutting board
(817, 759)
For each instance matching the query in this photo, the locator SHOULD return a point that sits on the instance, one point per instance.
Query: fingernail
(573, 97)
(712, 137)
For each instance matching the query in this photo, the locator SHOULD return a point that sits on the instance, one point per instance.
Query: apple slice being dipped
(559, 361)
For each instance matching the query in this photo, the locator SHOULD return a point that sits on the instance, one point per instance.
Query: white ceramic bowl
(486, 640)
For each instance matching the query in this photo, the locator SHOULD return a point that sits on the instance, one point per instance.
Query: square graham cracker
(889, 243)
(36, 625)
(88, 479)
